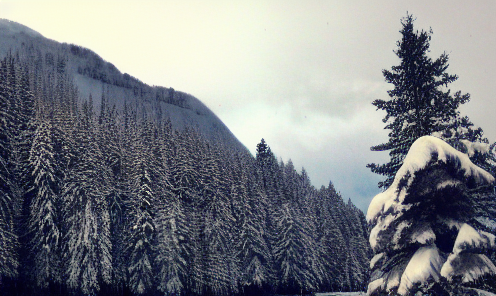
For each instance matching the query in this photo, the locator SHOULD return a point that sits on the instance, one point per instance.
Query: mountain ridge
(95, 76)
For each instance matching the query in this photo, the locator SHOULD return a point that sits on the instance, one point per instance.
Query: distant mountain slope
(93, 75)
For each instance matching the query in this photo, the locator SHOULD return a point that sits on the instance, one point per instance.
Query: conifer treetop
(420, 103)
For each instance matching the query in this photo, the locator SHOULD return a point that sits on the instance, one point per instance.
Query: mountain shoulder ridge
(93, 75)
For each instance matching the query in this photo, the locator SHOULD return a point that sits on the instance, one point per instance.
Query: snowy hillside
(93, 76)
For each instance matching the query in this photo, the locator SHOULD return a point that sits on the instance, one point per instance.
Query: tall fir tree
(44, 211)
(256, 262)
(88, 248)
(420, 104)
(171, 223)
(217, 215)
(9, 260)
(143, 196)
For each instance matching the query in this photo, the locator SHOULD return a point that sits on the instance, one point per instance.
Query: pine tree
(88, 248)
(171, 257)
(292, 246)
(427, 231)
(8, 238)
(271, 174)
(143, 196)
(330, 239)
(252, 243)
(359, 248)
(171, 225)
(217, 233)
(43, 220)
(112, 143)
(419, 103)
(185, 182)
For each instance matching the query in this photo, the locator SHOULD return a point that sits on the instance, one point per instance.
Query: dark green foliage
(419, 104)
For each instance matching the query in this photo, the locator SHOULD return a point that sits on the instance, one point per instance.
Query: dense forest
(101, 200)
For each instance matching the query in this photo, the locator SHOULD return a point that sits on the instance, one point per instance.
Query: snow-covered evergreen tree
(331, 240)
(44, 209)
(171, 225)
(143, 196)
(427, 233)
(291, 248)
(256, 262)
(359, 250)
(419, 103)
(112, 142)
(220, 264)
(171, 257)
(294, 240)
(9, 260)
(87, 244)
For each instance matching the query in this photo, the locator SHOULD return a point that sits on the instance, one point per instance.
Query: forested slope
(101, 199)
(92, 75)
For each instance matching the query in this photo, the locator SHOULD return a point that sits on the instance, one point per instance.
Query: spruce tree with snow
(256, 262)
(171, 260)
(111, 140)
(87, 245)
(420, 104)
(294, 244)
(143, 196)
(9, 260)
(44, 209)
(428, 232)
(171, 226)
(329, 239)
(271, 174)
(359, 249)
(219, 258)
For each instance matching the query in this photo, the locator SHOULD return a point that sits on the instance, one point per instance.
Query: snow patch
(374, 260)
(469, 266)
(473, 147)
(468, 237)
(423, 236)
(375, 285)
(424, 264)
(399, 231)
(381, 225)
(394, 279)
(419, 155)
(448, 183)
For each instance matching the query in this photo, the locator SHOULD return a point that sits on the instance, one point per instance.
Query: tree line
(114, 202)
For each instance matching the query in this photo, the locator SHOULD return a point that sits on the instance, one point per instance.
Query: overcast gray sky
(301, 74)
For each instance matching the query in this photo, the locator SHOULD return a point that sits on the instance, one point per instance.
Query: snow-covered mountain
(93, 75)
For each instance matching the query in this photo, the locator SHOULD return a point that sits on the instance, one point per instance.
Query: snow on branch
(419, 156)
